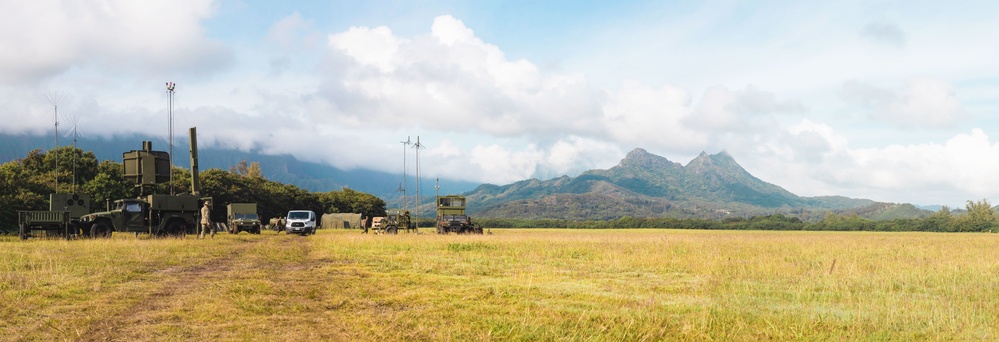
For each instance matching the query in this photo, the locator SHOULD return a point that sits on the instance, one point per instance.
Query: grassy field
(512, 285)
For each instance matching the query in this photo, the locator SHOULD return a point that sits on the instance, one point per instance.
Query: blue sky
(888, 100)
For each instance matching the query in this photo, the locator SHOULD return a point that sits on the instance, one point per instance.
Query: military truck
(451, 216)
(242, 217)
(62, 218)
(158, 215)
(396, 220)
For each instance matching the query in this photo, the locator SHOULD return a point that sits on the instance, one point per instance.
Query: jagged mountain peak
(641, 158)
(721, 162)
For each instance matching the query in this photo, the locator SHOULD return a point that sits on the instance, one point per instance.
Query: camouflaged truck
(451, 216)
(242, 217)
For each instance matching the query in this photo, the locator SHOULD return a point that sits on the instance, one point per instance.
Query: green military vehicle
(242, 217)
(451, 216)
(159, 215)
(396, 220)
(62, 218)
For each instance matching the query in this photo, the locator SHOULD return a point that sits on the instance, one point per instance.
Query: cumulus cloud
(812, 159)
(920, 102)
(639, 115)
(452, 80)
(39, 39)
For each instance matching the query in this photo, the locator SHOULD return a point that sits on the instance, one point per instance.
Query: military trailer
(52, 222)
(62, 218)
(451, 216)
(159, 215)
(396, 220)
(242, 217)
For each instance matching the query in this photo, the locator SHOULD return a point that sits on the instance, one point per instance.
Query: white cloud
(920, 102)
(369, 47)
(812, 159)
(638, 115)
(39, 39)
(504, 166)
(451, 81)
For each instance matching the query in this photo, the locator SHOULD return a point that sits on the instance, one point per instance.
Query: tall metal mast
(417, 146)
(405, 144)
(170, 86)
(54, 99)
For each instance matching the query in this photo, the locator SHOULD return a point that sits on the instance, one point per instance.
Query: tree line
(979, 217)
(26, 183)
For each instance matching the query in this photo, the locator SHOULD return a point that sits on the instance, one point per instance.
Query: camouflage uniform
(206, 222)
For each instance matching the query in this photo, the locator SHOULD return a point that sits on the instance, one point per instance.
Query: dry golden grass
(513, 285)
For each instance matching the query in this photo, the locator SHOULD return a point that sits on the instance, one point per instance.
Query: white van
(300, 222)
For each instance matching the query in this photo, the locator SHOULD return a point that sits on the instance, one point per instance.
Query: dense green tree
(107, 185)
(980, 217)
(352, 201)
(940, 221)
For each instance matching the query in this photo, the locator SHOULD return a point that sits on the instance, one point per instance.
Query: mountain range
(647, 185)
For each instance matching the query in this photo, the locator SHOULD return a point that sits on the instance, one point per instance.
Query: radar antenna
(55, 98)
(75, 119)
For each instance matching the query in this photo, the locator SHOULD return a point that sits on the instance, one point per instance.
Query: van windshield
(298, 215)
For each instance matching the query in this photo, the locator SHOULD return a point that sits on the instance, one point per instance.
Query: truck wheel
(174, 229)
(392, 230)
(100, 230)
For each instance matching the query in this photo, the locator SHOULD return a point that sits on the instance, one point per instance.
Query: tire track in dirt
(154, 307)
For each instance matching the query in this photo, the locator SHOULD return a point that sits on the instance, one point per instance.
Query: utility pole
(170, 86)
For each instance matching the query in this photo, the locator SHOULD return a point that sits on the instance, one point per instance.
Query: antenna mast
(54, 99)
(417, 146)
(404, 145)
(76, 131)
(170, 86)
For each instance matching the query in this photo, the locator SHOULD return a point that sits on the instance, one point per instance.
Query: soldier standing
(206, 222)
(280, 225)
